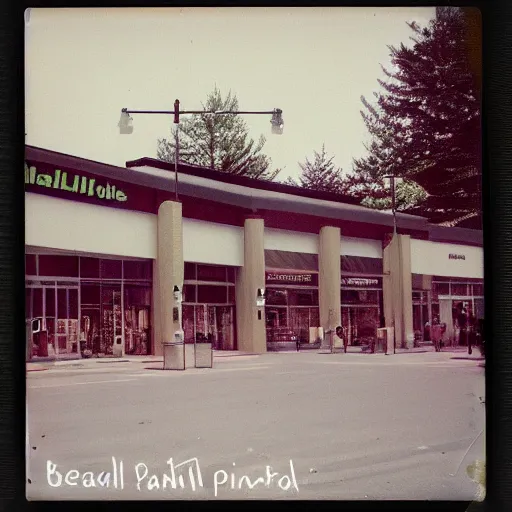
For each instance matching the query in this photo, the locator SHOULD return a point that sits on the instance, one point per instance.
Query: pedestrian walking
(462, 320)
(436, 334)
(472, 331)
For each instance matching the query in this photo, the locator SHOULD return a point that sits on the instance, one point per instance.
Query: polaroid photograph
(254, 263)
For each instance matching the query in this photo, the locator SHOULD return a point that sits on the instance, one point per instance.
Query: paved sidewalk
(97, 362)
(417, 354)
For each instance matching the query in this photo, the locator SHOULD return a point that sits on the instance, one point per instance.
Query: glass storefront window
(300, 323)
(189, 293)
(231, 275)
(359, 296)
(111, 269)
(137, 307)
(440, 289)
(50, 301)
(57, 265)
(479, 309)
(303, 297)
(211, 294)
(88, 315)
(459, 289)
(276, 317)
(359, 324)
(90, 267)
(478, 290)
(231, 294)
(90, 294)
(190, 271)
(276, 297)
(137, 270)
(30, 265)
(214, 324)
(211, 273)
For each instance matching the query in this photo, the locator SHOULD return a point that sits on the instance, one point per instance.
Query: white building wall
(361, 247)
(209, 242)
(73, 226)
(291, 241)
(433, 258)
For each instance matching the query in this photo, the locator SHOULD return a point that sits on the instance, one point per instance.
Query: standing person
(462, 320)
(472, 328)
(339, 333)
(436, 334)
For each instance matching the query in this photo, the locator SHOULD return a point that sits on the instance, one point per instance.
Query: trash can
(174, 352)
(117, 349)
(385, 339)
(203, 354)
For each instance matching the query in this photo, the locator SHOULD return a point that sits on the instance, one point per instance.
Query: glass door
(212, 335)
(65, 314)
(300, 323)
(112, 324)
(188, 323)
(200, 323)
(225, 330)
(41, 311)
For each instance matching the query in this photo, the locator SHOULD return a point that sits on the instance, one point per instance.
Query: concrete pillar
(397, 289)
(250, 319)
(329, 277)
(170, 271)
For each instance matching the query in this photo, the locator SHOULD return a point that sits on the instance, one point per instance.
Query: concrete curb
(91, 363)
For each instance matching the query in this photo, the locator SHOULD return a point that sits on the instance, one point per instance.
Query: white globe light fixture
(277, 121)
(125, 123)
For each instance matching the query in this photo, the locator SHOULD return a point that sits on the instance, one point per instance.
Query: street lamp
(126, 123)
(391, 178)
(126, 128)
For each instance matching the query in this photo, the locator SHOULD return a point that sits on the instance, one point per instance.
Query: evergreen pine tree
(425, 125)
(219, 142)
(321, 174)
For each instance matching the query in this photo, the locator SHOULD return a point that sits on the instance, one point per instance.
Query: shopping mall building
(106, 248)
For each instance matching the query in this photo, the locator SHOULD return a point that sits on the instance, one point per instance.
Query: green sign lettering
(74, 183)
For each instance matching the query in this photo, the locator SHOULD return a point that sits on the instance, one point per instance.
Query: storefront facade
(451, 280)
(106, 246)
(87, 304)
(209, 306)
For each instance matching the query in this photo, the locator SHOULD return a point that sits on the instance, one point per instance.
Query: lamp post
(392, 187)
(126, 128)
(126, 124)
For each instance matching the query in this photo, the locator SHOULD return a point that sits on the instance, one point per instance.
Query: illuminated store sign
(278, 277)
(359, 281)
(74, 183)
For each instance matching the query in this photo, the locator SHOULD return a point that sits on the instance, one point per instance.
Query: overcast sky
(83, 65)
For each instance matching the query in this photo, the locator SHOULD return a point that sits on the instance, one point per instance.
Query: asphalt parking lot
(276, 426)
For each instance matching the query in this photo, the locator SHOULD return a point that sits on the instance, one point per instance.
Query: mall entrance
(51, 312)
(85, 306)
(210, 323)
(421, 315)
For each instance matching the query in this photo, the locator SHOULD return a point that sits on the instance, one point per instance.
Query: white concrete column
(170, 268)
(251, 332)
(397, 289)
(329, 277)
